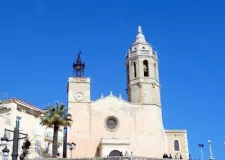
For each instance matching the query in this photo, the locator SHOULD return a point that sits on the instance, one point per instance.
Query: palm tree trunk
(55, 142)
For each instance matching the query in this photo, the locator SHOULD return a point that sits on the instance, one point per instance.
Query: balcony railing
(49, 136)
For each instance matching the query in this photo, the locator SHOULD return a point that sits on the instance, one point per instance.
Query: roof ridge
(17, 100)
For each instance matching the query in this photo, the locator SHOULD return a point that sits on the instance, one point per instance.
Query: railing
(107, 158)
(49, 135)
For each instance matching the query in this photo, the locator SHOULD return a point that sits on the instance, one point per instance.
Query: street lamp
(131, 155)
(5, 152)
(189, 157)
(201, 149)
(4, 140)
(15, 140)
(25, 148)
(210, 151)
(71, 147)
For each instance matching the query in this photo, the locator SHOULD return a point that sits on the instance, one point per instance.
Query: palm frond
(56, 116)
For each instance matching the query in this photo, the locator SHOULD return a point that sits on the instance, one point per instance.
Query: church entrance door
(115, 153)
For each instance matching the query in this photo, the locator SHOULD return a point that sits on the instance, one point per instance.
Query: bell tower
(142, 72)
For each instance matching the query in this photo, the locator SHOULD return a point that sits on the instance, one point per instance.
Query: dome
(140, 38)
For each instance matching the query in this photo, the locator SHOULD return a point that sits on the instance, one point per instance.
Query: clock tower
(78, 104)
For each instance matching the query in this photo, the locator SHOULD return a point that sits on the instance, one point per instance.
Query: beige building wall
(139, 130)
(181, 137)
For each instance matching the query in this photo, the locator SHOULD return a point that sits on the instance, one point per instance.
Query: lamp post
(210, 151)
(15, 143)
(71, 147)
(15, 140)
(4, 140)
(5, 151)
(201, 150)
(131, 155)
(189, 157)
(65, 143)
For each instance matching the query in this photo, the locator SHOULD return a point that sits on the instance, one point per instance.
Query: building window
(145, 65)
(176, 145)
(111, 123)
(18, 122)
(135, 71)
(128, 72)
(155, 70)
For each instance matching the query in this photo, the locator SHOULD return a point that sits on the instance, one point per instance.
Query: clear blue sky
(40, 39)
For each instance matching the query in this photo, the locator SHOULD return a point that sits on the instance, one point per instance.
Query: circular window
(111, 123)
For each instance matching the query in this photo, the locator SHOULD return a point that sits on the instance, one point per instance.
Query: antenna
(5, 95)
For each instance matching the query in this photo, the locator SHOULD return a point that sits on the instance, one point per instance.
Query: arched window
(145, 65)
(176, 145)
(135, 71)
(128, 72)
(155, 70)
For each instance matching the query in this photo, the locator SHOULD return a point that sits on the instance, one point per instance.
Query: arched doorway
(115, 153)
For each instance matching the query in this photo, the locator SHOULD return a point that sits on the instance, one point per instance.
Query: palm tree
(56, 117)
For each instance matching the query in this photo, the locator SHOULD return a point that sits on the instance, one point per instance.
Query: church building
(112, 126)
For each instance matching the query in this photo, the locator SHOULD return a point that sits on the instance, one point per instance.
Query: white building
(14, 112)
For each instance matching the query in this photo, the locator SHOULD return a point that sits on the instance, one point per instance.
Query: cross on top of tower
(139, 29)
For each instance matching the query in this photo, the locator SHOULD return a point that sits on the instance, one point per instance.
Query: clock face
(79, 96)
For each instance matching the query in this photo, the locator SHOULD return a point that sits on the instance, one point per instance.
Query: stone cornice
(24, 104)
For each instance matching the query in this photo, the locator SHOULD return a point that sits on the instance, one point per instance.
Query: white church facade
(112, 126)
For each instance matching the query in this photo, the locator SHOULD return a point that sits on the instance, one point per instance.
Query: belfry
(142, 71)
(78, 67)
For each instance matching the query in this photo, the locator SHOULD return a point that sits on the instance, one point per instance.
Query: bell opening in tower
(145, 65)
(135, 71)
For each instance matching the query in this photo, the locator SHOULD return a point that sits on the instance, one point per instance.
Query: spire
(139, 29)
(140, 38)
